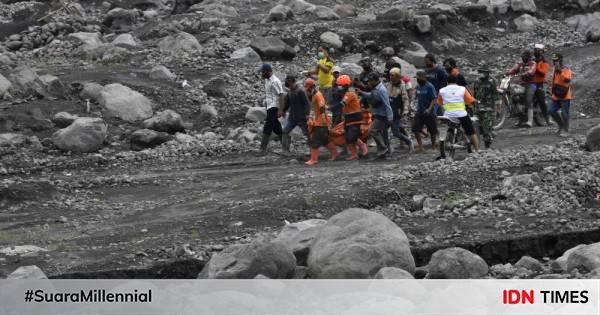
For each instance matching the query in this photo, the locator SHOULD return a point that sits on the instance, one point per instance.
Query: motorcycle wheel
(539, 120)
(450, 142)
(502, 109)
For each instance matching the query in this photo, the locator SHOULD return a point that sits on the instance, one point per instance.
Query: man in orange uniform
(352, 117)
(561, 94)
(542, 67)
(320, 124)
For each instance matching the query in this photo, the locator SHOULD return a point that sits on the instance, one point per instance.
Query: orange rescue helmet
(309, 83)
(343, 80)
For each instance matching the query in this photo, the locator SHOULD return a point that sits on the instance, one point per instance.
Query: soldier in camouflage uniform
(485, 91)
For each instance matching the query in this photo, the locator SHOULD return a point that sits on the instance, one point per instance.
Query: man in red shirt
(526, 70)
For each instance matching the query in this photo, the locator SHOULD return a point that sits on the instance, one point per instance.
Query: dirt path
(147, 213)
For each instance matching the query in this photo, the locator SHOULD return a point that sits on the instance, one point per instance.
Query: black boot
(264, 142)
(286, 142)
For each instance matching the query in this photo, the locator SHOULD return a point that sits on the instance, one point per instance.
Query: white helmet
(539, 46)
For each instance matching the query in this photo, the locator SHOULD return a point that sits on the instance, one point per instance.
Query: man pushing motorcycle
(526, 70)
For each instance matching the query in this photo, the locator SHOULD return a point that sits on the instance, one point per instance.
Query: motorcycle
(452, 136)
(512, 104)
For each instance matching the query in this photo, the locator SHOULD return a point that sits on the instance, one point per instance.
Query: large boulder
(246, 55)
(146, 139)
(216, 87)
(125, 103)
(91, 91)
(27, 273)
(398, 13)
(5, 85)
(162, 73)
(299, 6)
(592, 140)
(246, 261)
(331, 39)
(351, 69)
(166, 121)
(63, 119)
(256, 114)
(279, 12)
(496, 6)
(585, 258)
(125, 40)
(392, 273)
(525, 23)
(357, 243)
(523, 6)
(456, 263)
(423, 23)
(587, 24)
(83, 135)
(416, 56)
(325, 13)
(88, 43)
(560, 264)
(119, 18)
(180, 42)
(53, 86)
(27, 81)
(272, 47)
(344, 10)
(298, 237)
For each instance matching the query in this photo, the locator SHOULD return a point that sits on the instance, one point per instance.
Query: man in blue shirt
(426, 97)
(379, 104)
(436, 74)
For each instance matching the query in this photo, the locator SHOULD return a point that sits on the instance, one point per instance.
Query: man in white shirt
(273, 100)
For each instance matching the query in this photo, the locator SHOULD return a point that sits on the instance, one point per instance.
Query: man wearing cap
(273, 102)
(379, 102)
(399, 101)
(542, 67)
(486, 92)
(335, 103)
(297, 104)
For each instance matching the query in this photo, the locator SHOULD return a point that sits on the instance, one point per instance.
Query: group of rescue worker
(335, 110)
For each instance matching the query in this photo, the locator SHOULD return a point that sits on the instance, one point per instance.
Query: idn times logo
(513, 296)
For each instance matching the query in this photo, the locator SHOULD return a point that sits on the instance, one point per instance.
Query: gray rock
(180, 42)
(119, 18)
(416, 56)
(299, 6)
(525, 23)
(351, 69)
(88, 42)
(64, 119)
(592, 139)
(166, 121)
(209, 110)
(331, 39)
(146, 139)
(125, 103)
(398, 13)
(325, 13)
(27, 273)
(256, 114)
(344, 10)
(125, 41)
(423, 23)
(216, 87)
(530, 263)
(523, 6)
(357, 243)
(12, 139)
(496, 6)
(91, 91)
(161, 72)
(586, 258)
(246, 261)
(272, 47)
(392, 273)
(5, 85)
(83, 135)
(456, 263)
(246, 55)
(418, 201)
(560, 264)
(53, 86)
(432, 205)
(14, 45)
(299, 236)
(215, 9)
(279, 12)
